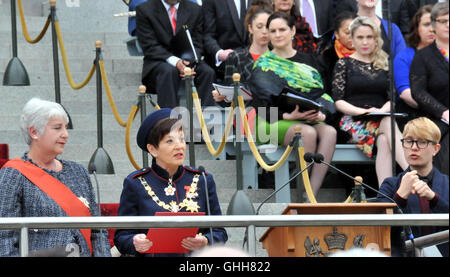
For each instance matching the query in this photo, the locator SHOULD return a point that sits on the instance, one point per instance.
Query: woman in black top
(360, 86)
(429, 80)
(241, 60)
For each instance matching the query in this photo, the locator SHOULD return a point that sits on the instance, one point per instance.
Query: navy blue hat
(148, 124)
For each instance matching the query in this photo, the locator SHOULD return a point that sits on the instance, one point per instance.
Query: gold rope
(25, 29)
(66, 65)
(131, 116)
(252, 145)
(108, 93)
(205, 132)
(305, 176)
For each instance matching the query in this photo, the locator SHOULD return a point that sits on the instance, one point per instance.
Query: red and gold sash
(56, 190)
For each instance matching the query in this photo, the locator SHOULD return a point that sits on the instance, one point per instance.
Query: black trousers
(165, 80)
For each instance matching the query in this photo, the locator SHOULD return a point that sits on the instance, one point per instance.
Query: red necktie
(173, 11)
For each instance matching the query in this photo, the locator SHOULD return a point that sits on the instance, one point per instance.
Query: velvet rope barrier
(206, 137)
(25, 29)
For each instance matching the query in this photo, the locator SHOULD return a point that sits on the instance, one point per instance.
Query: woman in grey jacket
(41, 185)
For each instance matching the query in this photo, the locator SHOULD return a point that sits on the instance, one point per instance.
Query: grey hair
(37, 113)
(439, 9)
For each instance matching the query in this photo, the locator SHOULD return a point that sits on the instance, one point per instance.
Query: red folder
(168, 240)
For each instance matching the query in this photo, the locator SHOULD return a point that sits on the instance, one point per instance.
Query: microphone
(308, 157)
(93, 169)
(201, 169)
(318, 158)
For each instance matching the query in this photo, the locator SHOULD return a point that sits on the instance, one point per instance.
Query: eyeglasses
(420, 143)
(442, 21)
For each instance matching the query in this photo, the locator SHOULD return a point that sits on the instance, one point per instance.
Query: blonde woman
(360, 86)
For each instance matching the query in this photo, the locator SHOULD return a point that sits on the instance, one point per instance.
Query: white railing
(426, 241)
(249, 221)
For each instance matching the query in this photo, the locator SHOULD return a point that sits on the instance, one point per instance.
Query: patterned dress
(361, 85)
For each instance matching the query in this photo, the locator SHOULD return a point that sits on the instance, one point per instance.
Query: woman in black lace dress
(360, 86)
(429, 80)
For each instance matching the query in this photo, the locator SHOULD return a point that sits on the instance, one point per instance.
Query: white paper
(228, 91)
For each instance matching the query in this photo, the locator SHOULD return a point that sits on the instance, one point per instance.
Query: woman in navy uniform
(166, 186)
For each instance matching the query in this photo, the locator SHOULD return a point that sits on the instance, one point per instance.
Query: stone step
(83, 106)
(87, 39)
(24, 93)
(114, 79)
(80, 122)
(73, 50)
(77, 65)
(86, 16)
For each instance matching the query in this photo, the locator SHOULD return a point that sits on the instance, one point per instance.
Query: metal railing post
(23, 243)
(252, 240)
(425, 241)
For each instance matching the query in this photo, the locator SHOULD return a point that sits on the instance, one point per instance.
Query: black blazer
(414, 5)
(399, 11)
(223, 28)
(429, 82)
(154, 30)
(324, 15)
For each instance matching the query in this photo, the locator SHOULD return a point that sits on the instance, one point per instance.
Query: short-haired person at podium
(421, 188)
(165, 186)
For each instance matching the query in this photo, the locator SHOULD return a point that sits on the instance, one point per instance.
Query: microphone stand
(93, 169)
(280, 188)
(307, 158)
(208, 208)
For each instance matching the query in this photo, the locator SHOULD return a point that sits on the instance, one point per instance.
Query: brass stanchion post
(240, 204)
(56, 60)
(100, 158)
(300, 186)
(142, 90)
(15, 73)
(189, 84)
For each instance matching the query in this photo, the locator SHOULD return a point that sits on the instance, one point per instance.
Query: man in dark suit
(321, 20)
(399, 11)
(414, 5)
(224, 29)
(157, 23)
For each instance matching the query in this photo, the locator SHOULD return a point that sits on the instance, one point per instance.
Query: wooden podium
(318, 241)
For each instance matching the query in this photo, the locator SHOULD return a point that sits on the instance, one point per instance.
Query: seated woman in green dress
(285, 69)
